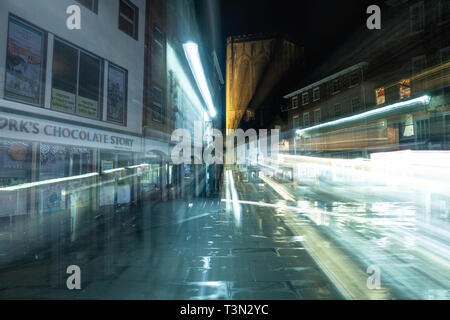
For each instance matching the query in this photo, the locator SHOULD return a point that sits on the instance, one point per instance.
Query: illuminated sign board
(25, 128)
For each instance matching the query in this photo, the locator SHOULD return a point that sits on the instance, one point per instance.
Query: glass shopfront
(15, 169)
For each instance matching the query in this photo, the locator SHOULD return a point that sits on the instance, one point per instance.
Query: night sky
(320, 25)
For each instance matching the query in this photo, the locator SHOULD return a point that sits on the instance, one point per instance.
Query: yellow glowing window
(381, 97)
(405, 89)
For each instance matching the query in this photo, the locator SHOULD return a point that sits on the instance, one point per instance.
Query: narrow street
(178, 250)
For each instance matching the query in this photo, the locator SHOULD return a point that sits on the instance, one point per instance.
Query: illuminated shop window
(15, 163)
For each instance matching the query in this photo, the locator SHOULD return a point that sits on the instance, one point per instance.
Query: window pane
(158, 35)
(157, 95)
(126, 10)
(157, 103)
(90, 4)
(117, 94)
(65, 66)
(89, 86)
(126, 26)
(128, 18)
(157, 61)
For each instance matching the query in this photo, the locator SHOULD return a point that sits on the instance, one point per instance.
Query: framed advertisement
(107, 165)
(117, 95)
(24, 62)
(52, 199)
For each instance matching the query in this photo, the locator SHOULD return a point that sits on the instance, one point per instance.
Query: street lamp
(193, 57)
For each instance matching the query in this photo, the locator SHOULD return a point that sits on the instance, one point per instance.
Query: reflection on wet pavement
(314, 248)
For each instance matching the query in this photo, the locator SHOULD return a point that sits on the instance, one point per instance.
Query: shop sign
(24, 128)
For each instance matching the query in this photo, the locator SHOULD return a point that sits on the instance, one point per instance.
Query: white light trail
(421, 100)
(193, 56)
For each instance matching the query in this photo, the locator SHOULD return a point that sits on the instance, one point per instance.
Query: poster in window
(107, 194)
(107, 165)
(116, 95)
(87, 107)
(24, 62)
(15, 161)
(53, 162)
(80, 198)
(52, 199)
(63, 101)
(123, 194)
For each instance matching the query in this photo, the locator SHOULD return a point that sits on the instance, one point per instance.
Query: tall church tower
(255, 64)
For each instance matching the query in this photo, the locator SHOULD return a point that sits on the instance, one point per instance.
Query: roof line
(333, 76)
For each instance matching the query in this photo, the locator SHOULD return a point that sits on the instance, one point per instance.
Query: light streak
(193, 56)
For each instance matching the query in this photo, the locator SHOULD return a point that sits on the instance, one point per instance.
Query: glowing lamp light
(193, 57)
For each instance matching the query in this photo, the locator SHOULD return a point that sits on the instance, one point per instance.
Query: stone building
(255, 66)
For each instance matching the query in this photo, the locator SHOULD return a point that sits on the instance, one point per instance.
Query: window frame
(354, 75)
(333, 86)
(44, 62)
(296, 117)
(294, 105)
(94, 8)
(358, 107)
(125, 112)
(305, 101)
(158, 105)
(306, 115)
(135, 22)
(317, 111)
(317, 89)
(101, 80)
(162, 46)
